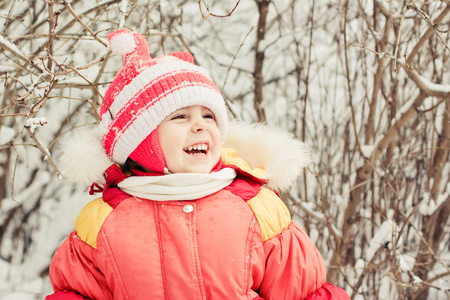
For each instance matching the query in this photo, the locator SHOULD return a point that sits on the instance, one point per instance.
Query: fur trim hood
(83, 159)
(276, 151)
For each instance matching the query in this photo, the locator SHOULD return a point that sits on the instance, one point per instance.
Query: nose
(198, 124)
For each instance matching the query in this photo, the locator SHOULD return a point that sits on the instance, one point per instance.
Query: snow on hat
(143, 93)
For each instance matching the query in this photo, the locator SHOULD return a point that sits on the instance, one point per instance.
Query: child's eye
(209, 116)
(180, 117)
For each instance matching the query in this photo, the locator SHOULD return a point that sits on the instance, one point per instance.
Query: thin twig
(72, 69)
(95, 88)
(426, 243)
(433, 25)
(70, 9)
(397, 43)
(52, 26)
(427, 35)
(44, 152)
(13, 115)
(14, 179)
(214, 15)
(16, 52)
(429, 89)
(37, 106)
(347, 72)
(234, 58)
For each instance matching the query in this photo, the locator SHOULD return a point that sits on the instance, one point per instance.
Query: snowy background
(365, 83)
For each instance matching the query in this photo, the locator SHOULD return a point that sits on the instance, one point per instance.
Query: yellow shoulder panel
(90, 220)
(229, 157)
(271, 213)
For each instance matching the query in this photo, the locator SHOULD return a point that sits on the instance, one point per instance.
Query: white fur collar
(83, 159)
(272, 149)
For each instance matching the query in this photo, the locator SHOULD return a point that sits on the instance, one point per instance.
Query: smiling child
(190, 140)
(181, 216)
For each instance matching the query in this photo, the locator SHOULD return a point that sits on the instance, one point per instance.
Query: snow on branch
(11, 48)
(308, 208)
(426, 86)
(34, 123)
(43, 150)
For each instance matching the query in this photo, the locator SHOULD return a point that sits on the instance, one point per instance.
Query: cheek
(166, 140)
(217, 139)
(217, 136)
(214, 129)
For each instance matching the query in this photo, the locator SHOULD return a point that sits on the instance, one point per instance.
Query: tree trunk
(263, 8)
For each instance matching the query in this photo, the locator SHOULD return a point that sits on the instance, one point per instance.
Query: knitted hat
(143, 93)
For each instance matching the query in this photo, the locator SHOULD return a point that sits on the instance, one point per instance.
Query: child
(181, 217)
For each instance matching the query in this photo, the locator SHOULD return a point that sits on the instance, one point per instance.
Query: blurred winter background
(366, 83)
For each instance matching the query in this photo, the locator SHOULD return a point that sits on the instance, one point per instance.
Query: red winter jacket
(238, 243)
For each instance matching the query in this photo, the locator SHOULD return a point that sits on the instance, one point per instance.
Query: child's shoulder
(270, 211)
(267, 159)
(91, 219)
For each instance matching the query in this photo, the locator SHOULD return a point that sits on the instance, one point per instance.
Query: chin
(191, 169)
(202, 170)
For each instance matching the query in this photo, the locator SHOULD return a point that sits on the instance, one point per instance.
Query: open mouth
(198, 149)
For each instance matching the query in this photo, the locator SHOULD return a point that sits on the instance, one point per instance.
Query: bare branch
(44, 152)
(429, 88)
(427, 35)
(70, 9)
(214, 15)
(433, 25)
(263, 9)
(11, 48)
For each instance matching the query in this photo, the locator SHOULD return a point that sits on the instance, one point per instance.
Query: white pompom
(122, 43)
(83, 159)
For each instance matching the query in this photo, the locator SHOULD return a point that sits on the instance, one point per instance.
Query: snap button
(188, 208)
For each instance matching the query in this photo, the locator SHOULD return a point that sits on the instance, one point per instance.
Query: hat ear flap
(186, 56)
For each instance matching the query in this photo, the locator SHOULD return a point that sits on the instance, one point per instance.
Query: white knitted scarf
(179, 186)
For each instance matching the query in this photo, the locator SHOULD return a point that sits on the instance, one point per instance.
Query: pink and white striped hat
(144, 92)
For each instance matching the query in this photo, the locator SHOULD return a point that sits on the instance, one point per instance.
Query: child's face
(190, 140)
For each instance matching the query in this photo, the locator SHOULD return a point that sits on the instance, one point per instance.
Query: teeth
(197, 147)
